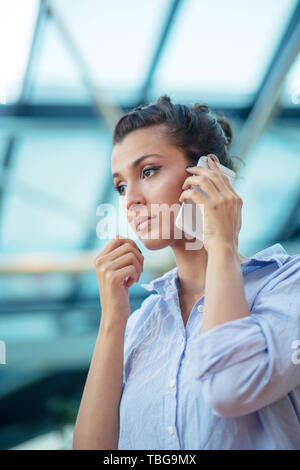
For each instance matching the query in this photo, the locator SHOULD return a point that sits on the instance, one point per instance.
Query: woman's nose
(132, 198)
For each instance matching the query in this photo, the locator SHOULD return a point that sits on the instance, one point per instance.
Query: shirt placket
(170, 419)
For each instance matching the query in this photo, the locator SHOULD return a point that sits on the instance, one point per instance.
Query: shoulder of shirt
(284, 269)
(283, 277)
(272, 254)
(286, 272)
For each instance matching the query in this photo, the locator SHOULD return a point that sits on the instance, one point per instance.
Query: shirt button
(200, 308)
(172, 383)
(171, 430)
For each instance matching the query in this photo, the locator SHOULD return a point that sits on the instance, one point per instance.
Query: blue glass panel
(218, 51)
(51, 199)
(116, 40)
(17, 21)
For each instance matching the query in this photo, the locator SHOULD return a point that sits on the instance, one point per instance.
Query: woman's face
(150, 187)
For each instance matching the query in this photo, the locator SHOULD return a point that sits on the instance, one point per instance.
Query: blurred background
(69, 69)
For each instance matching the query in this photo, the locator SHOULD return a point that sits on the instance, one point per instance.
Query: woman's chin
(155, 244)
(153, 240)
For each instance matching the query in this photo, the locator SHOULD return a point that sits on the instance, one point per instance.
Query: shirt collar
(169, 281)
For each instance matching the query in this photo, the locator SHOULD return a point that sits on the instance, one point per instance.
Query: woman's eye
(148, 169)
(153, 168)
(119, 188)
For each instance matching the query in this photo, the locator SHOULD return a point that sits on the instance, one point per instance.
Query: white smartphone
(190, 218)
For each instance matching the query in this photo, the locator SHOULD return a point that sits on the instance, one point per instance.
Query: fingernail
(189, 166)
(213, 159)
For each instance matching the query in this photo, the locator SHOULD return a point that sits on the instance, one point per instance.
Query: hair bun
(226, 129)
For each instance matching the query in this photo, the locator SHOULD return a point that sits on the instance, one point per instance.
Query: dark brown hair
(196, 129)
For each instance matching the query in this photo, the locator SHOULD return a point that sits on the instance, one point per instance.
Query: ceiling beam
(162, 42)
(267, 99)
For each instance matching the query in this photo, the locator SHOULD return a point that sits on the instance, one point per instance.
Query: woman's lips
(144, 224)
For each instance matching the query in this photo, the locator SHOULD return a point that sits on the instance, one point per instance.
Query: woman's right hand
(119, 259)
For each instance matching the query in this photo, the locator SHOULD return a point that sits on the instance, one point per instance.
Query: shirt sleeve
(248, 363)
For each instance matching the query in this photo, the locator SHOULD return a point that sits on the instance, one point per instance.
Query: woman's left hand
(222, 210)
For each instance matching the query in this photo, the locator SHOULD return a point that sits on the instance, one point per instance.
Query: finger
(127, 248)
(193, 194)
(123, 273)
(123, 240)
(218, 171)
(119, 251)
(203, 182)
(118, 240)
(212, 163)
(113, 243)
(211, 174)
(126, 260)
(235, 193)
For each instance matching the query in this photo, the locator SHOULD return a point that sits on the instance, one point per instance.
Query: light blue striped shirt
(236, 386)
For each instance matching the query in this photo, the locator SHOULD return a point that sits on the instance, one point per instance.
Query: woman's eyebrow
(137, 161)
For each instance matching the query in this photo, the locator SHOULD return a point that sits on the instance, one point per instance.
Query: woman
(209, 360)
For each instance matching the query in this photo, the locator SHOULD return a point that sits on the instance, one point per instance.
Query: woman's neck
(192, 265)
